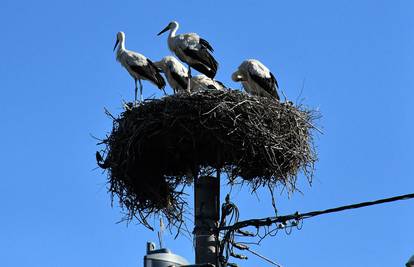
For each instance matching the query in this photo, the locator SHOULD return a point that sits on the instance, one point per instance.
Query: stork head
(120, 37)
(165, 63)
(237, 77)
(172, 25)
(168, 60)
(160, 65)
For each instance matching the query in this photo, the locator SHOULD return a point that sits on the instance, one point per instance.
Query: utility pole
(207, 212)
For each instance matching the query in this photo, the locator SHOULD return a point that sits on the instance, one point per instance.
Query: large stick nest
(157, 147)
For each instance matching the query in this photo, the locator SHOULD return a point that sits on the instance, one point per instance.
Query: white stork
(256, 79)
(175, 72)
(138, 66)
(191, 49)
(202, 82)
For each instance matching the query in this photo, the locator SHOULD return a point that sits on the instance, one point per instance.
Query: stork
(175, 72)
(202, 82)
(256, 79)
(191, 49)
(137, 65)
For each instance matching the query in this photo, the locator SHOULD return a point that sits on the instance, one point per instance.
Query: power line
(286, 222)
(263, 257)
(297, 216)
(359, 205)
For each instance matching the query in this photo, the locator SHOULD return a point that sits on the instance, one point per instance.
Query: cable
(359, 205)
(286, 221)
(297, 216)
(263, 257)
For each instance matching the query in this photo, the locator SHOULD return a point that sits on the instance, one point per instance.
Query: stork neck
(173, 31)
(122, 45)
(121, 49)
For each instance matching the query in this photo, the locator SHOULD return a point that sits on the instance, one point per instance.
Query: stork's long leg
(136, 90)
(140, 91)
(189, 79)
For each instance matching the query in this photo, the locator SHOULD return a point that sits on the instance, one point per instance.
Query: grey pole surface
(206, 204)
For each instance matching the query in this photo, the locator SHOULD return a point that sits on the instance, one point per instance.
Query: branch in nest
(158, 146)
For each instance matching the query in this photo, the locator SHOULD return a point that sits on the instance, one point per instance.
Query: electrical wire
(282, 222)
(297, 216)
(263, 257)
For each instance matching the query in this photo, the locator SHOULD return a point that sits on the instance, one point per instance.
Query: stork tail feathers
(156, 77)
(205, 70)
(206, 44)
(159, 81)
(204, 62)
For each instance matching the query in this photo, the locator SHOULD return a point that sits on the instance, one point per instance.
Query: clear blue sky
(58, 72)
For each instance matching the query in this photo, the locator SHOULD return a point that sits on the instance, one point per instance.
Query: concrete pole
(207, 212)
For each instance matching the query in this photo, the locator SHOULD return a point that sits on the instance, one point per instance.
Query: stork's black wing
(268, 84)
(182, 81)
(150, 72)
(275, 81)
(206, 44)
(211, 86)
(222, 84)
(277, 86)
(204, 62)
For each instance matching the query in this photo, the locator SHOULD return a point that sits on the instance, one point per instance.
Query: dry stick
(109, 114)
(136, 124)
(240, 103)
(313, 126)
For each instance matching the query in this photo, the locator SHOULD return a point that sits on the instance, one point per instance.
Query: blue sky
(58, 72)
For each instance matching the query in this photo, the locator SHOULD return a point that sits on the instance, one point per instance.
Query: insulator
(238, 256)
(240, 246)
(244, 232)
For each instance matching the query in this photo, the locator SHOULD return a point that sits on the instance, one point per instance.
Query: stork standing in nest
(177, 77)
(202, 82)
(256, 79)
(191, 49)
(175, 72)
(137, 65)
